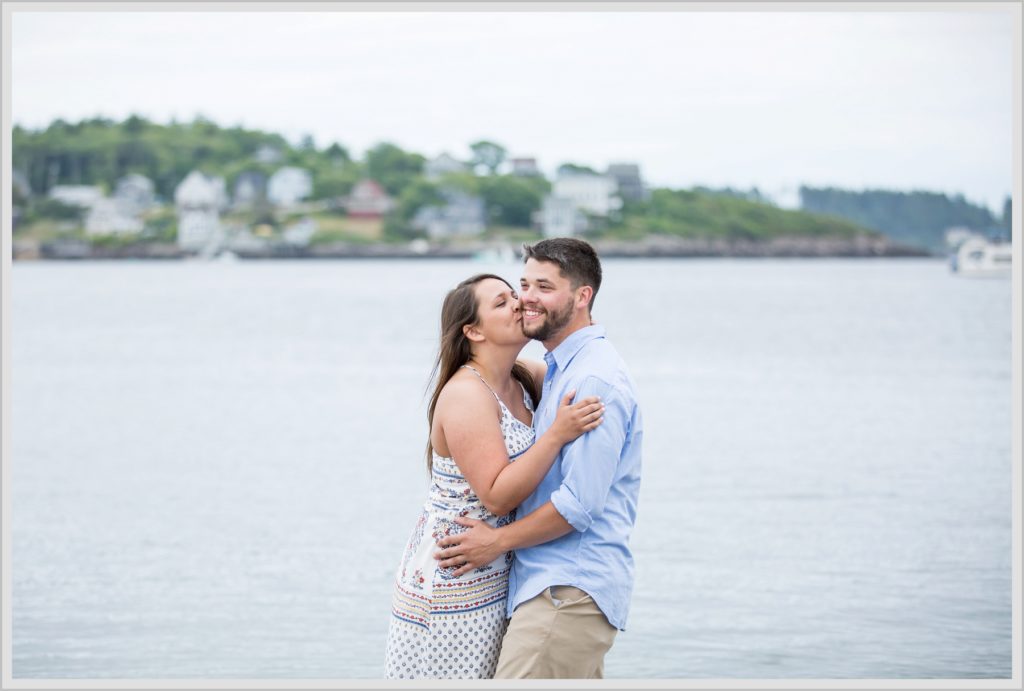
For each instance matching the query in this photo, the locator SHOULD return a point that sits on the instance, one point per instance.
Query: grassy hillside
(686, 213)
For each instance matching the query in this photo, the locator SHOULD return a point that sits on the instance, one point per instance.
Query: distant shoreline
(649, 248)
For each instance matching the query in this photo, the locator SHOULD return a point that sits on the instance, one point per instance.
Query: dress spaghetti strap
(505, 410)
(481, 377)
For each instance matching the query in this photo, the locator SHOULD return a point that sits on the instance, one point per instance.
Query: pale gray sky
(900, 100)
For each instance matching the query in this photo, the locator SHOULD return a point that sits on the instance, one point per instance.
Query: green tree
(689, 213)
(488, 154)
(337, 154)
(330, 182)
(511, 200)
(98, 150)
(392, 167)
(419, 193)
(915, 218)
(575, 168)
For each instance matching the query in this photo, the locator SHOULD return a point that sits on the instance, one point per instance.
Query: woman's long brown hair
(458, 310)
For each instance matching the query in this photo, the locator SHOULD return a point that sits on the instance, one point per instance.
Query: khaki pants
(560, 634)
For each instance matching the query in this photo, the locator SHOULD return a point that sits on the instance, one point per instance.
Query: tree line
(913, 218)
(99, 151)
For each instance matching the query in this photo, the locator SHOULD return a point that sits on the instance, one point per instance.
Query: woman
(483, 462)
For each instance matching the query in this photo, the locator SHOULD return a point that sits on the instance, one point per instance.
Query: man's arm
(588, 466)
(590, 463)
(482, 544)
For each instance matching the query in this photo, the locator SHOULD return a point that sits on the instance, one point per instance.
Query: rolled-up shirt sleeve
(589, 464)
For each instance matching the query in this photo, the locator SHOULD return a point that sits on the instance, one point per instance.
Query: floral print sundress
(443, 627)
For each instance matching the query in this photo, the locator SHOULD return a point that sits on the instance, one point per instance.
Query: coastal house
(110, 217)
(368, 200)
(82, 196)
(525, 167)
(134, 194)
(630, 185)
(560, 217)
(594, 194)
(199, 200)
(443, 165)
(250, 188)
(289, 185)
(461, 215)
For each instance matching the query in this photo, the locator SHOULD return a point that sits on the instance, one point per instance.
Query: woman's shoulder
(464, 388)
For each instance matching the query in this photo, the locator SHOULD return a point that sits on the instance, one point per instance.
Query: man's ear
(583, 297)
(472, 333)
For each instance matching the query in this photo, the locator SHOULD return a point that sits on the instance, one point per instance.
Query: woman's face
(498, 316)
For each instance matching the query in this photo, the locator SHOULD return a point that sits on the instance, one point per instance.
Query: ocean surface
(215, 466)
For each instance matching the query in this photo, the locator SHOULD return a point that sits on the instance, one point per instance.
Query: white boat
(226, 257)
(977, 256)
(496, 254)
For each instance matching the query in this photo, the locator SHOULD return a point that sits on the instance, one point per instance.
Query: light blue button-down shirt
(594, 483)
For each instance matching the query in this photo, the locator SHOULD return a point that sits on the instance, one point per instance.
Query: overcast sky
(909, 100)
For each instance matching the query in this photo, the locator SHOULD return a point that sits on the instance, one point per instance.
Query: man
(570, 584)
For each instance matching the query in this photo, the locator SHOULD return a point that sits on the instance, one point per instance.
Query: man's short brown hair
(576, 259)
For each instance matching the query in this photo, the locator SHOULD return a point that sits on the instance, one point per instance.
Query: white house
(442, 165)
(108, 217)
(82, 196)
(199, 199)
(200, 191)
(595, 194)
(289, 185)
(560, 217)
(134, 194)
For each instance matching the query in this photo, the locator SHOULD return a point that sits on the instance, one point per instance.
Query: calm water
(215, 467)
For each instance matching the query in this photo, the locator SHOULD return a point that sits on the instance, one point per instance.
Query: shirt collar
(565, 351)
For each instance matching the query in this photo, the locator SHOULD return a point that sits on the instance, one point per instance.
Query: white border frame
(6, 654)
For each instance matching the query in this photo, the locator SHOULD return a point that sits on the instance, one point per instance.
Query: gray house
(461, 214)
(250, 189)
(631, 185)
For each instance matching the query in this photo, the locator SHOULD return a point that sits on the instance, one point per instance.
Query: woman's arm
(467, 414)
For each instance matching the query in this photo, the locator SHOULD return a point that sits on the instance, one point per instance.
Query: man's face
(547, 299)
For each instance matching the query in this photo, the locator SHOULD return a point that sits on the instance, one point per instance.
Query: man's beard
(553, 322)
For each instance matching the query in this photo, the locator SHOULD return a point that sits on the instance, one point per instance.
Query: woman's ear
(472, 333)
